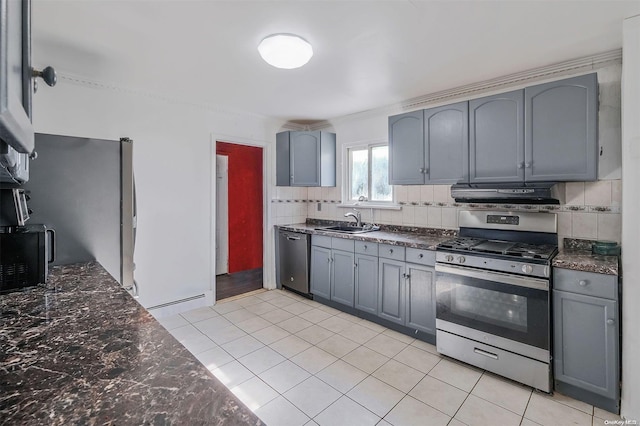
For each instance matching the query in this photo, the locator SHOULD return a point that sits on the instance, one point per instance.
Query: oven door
(508, 306)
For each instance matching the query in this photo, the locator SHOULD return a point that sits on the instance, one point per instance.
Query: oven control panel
(503, 220)
(492, 264)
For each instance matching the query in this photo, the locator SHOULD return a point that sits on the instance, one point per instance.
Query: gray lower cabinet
(496, 138)
(366, 283)
(305, 159)
(342, 277)
(420, 298)
(320, 271)
(391, 291)
(586, 337)
(561, 130)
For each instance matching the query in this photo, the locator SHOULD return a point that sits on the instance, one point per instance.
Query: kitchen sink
(349, 229)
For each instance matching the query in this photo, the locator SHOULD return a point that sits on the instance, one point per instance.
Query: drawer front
(421, 257)
(391, 252)
(364, 247)
(321, 241)
(342, 244)
(588, 283)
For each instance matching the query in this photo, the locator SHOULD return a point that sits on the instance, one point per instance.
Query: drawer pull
(420, 256)
(390, 251)
(610, 321)
(485, 353)
(582, 283)
(365, 246)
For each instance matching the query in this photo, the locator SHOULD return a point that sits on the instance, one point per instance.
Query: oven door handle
(534, 283)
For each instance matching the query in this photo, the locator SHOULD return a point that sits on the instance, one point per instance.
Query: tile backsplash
(591, 209)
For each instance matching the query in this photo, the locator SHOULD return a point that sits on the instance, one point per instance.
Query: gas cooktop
(505, 248)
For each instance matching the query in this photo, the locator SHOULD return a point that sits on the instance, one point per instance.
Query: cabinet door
(561, 138)
(366, 294)
(16, 129)
(586, 342)
(320, 271)
(406, 149)
(391, 290)
(283, 166)
(342, 277)
(420, 299)
(446, 131)
(496, 138)
(305, 158)
(327, 159)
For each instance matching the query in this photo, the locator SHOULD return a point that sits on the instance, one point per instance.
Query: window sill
(367, 205)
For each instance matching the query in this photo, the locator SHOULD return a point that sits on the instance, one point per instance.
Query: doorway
(239, 217)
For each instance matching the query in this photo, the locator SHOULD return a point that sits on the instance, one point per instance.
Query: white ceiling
(368, 54)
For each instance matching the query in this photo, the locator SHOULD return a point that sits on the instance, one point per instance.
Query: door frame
(222, 215)
(268, 164)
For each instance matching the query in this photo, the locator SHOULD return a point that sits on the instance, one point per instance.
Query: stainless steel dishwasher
(293, 251)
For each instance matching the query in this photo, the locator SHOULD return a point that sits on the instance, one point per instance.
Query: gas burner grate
(460, 243)
(532, 251)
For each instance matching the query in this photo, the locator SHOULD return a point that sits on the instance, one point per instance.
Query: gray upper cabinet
(561, 133)
(16, 129)
(496, 138)
(446, 131)
(406, 149)
(586, 329)
(305, 159)
(429, 146)
(420, 298)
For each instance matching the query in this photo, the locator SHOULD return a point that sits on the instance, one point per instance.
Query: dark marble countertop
(421, 238)
(584, 260)
(83, 351)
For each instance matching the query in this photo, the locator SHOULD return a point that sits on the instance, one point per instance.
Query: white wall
(172, 150)
(630, 215)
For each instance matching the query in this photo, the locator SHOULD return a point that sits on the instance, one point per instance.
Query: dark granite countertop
(421, 238)
(83, 351)
(584, 260)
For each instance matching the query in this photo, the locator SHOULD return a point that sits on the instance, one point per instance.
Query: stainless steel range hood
(509, 193)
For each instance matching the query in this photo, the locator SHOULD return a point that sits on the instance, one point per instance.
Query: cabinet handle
(520, 165)
(527, 165)
(355, 265)
(426, 170)
(390, 251)
(420, 256)
(582, 283)
(365, 246)
(328, 260)
(421, 170)
(610, 321)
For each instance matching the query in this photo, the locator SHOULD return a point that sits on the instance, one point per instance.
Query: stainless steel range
(492, 291)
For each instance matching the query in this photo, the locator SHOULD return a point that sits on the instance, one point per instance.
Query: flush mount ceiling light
(286, 51)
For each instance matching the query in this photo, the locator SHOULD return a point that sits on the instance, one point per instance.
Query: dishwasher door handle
(290, 238)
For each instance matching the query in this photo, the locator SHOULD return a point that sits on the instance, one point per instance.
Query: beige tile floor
(296, 362)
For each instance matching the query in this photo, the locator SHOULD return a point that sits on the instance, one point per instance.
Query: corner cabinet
(561, 130)
(429, 146)
(306, 159)
(586, 337)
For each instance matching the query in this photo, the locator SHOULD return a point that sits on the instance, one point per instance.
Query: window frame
(347, 170)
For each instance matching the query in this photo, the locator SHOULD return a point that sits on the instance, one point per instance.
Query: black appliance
(492, 294)
(25, 254)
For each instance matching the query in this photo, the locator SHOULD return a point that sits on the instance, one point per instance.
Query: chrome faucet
(356, 215)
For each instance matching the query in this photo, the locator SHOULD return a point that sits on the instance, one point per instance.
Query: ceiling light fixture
(285, 51)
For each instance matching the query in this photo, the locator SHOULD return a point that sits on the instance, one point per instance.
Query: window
(368, 177)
